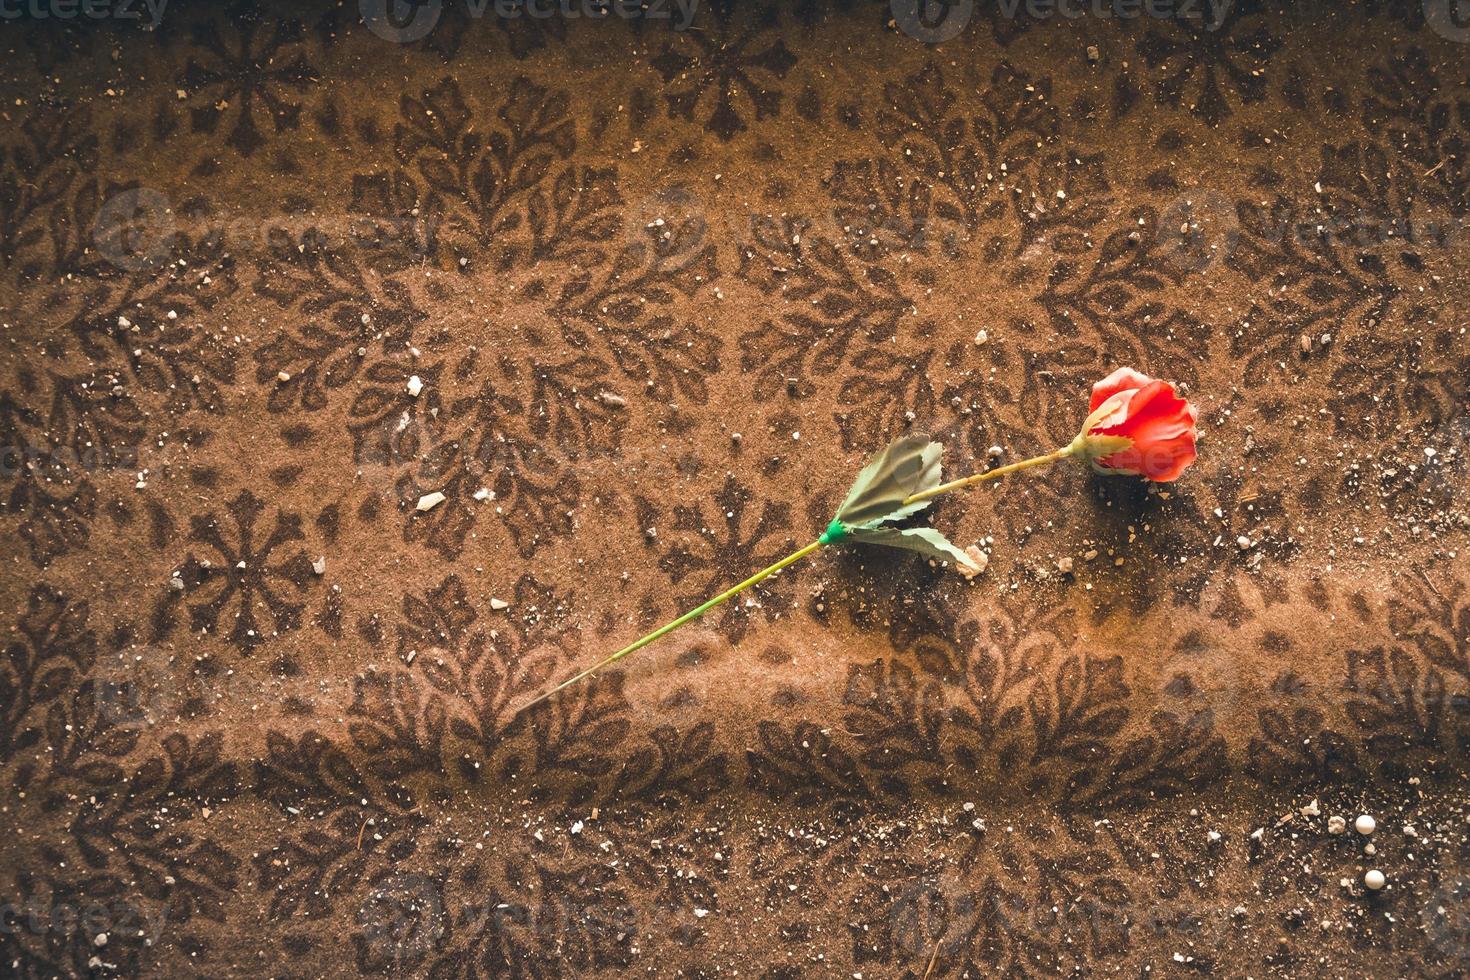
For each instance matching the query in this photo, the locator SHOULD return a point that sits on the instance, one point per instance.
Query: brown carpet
(257, 709)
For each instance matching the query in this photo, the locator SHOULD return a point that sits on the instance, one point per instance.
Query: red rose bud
(1138, 427)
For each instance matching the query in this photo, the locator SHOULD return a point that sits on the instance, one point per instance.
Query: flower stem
(994, 474)
(692, 614)
(790, 559)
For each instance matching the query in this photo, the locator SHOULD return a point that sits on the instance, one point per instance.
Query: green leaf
(905, 467)
(925, 540)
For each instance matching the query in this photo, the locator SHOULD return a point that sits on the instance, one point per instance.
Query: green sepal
(835, 532)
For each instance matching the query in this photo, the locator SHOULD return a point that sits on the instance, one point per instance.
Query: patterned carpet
(638, 302)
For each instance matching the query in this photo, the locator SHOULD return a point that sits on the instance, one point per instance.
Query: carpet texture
(639, 302)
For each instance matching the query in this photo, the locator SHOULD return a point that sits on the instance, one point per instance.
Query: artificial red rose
(1138, 427)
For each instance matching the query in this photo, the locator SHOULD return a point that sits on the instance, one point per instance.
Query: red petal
(1123, 379)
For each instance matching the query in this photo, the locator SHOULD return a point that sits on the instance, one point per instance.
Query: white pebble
(1365, 824)
(320, 565)
(1374, 879)
(415, 385)
(430, 500)
(1336, 825)
(499, 604)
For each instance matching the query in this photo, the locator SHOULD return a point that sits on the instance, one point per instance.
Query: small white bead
(1365, 824)
(1374, 879)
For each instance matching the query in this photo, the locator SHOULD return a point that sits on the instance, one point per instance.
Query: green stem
(692, 614)
(994, 474)
(791, 559)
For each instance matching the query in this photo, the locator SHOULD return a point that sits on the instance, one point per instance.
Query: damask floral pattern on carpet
(638, 302)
